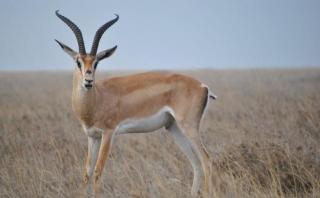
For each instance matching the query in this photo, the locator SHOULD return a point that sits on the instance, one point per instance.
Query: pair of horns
(77, 32)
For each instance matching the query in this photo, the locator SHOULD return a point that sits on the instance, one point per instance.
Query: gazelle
(137, 103)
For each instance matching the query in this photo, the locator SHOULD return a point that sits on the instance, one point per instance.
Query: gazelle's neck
(83, 100)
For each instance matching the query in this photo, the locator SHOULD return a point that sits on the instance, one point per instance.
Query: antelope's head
(87, 63)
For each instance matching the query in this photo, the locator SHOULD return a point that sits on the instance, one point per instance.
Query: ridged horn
(99, 34)
(75, 30)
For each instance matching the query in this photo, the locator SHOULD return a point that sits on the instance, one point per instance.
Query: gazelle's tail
(210, 93)
(212, 96)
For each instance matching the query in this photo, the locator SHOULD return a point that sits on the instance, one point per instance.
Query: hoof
(97, 175)
(85, 178)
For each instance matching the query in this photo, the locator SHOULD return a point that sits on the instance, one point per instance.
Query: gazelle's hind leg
(190, 125)
(192, 153)
(195, 136)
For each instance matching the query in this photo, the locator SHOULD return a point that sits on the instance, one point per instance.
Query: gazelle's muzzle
(88, 81)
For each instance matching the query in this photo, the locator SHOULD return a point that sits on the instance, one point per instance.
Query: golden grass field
(263, 134)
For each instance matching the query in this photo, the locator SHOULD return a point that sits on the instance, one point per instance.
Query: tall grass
(263, 135)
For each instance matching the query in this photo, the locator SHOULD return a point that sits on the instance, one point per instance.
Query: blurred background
(164, 34)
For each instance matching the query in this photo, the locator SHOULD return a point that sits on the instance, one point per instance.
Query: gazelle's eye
(95, 65)
(78, 64)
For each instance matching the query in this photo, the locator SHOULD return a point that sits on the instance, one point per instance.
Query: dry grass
(263, 134)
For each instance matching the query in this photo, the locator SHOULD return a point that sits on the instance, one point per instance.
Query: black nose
(88, 81)
(89, 72)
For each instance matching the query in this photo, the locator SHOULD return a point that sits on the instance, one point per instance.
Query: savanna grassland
(263, 135)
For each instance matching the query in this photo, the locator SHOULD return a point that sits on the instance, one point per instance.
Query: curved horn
(75, 30)
(99, 34)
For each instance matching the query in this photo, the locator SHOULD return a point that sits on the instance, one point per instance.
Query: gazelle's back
(145, 93)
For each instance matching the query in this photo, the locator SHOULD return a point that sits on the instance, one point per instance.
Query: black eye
(95, 65)
(78, 64)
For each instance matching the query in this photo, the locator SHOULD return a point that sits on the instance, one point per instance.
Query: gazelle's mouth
(88, 86)
(88, 83)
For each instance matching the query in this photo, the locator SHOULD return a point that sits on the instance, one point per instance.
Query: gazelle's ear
(106, 53)
(67, 49)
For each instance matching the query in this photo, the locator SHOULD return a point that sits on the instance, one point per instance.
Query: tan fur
(138, 103)
(111, 101)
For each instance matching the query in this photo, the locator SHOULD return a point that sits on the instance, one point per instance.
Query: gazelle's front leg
(93, 149)
(94, 141)
(86, 167)
(102, 157)
(162, 118)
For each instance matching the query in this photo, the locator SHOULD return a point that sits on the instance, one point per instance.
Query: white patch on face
(88, 81)
(88, 78)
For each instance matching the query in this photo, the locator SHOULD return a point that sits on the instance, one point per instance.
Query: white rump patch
(210, 93)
